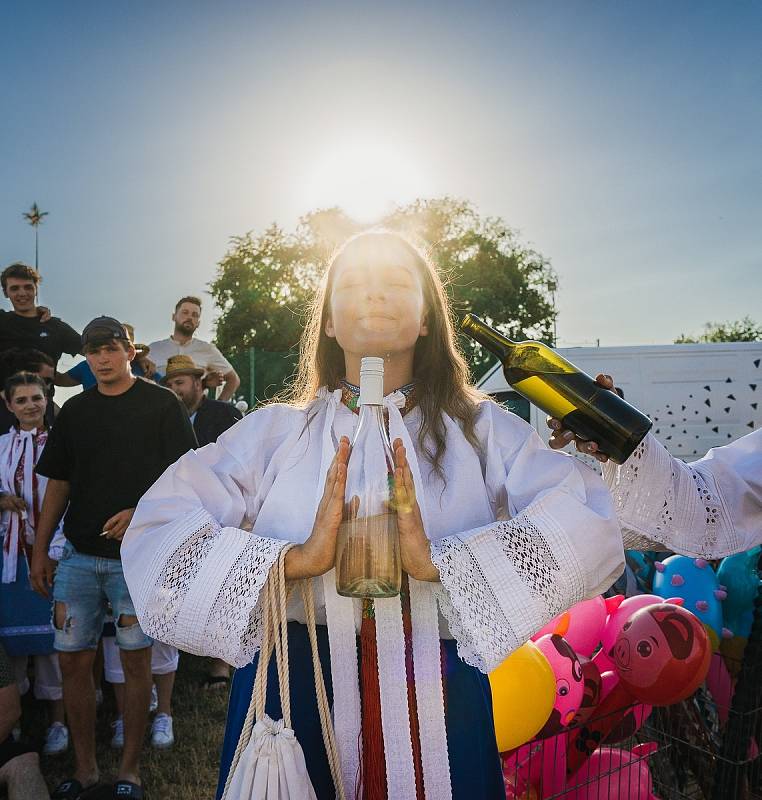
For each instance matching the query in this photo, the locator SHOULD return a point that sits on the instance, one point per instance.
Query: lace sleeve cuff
(503, 582)
(201, 592)
(664, 504)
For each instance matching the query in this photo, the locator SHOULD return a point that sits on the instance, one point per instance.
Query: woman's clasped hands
(317, 554)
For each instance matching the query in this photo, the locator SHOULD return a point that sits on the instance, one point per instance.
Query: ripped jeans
(85, 586)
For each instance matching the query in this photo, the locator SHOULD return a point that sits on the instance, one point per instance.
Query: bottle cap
(371, 381)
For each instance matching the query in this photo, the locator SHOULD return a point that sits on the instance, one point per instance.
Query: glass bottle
(556, 386)
(367, 548)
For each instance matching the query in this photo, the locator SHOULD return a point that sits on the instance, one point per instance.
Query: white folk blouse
(518, 533)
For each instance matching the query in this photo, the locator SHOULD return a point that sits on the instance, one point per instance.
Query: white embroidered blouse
(518, 533)
(709, 508)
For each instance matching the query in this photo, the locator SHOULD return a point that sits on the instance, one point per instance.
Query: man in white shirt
(187, 318)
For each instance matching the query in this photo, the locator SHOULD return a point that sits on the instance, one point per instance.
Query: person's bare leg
(79, 702)
(56, 712)
(137, 698)
(10, 710)
(164, 686)
(22, 778)
(119, 697)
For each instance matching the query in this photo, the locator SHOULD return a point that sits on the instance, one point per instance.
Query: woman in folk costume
(710, 508)
(25, 627)
(504, 535)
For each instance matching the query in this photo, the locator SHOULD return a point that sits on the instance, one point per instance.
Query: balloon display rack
(698, 749)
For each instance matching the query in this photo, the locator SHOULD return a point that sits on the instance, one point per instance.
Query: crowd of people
(70, 479)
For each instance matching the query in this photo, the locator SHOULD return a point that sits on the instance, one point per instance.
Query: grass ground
(188, 771)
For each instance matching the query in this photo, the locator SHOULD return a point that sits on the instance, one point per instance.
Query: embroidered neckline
(350, 395)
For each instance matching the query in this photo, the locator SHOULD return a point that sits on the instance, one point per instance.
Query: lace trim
(234, 627)
(663, 503)
(494, 607)
(482, 632)
(165, 598)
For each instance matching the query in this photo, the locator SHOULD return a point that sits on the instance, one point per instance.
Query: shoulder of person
(159, 343)
(160, 392)
(273, 421)
(493, 421)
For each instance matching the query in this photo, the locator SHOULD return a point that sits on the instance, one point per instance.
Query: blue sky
(621, 139)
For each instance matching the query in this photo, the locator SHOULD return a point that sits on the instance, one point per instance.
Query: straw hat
(181, 365)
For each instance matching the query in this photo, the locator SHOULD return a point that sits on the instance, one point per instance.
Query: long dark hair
(439, 368)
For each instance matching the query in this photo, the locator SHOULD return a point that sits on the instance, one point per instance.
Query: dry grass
(188, 770)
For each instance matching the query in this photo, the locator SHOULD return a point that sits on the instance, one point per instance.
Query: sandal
(70, 790)
(127, 790)
(213, 681)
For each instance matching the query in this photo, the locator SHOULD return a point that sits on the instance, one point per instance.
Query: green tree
(742, 330)
(264, 282)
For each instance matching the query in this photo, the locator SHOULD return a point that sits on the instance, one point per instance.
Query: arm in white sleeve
(709, 508)
(561, 544)
(194, 572)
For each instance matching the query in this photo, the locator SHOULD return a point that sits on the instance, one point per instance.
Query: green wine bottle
(556, 386)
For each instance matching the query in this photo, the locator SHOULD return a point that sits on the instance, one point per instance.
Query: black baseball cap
(103, 329)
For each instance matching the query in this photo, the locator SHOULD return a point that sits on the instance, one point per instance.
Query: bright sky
(622, 140)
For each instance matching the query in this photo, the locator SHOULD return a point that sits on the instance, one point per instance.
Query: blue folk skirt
(475, 769)
(25, 616)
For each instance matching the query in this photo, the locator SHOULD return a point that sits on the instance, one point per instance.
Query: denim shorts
(87, 586)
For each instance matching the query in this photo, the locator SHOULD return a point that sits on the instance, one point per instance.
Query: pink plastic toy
(586, 621)
(604, 657)
(615, 775)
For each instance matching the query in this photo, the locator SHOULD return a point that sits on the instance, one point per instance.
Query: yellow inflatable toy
(523, 693)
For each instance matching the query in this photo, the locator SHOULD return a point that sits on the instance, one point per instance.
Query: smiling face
(22, 293)
(376, 301)
(28, 403)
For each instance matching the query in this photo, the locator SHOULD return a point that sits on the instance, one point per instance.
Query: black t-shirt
(52, 337)
(111, 449)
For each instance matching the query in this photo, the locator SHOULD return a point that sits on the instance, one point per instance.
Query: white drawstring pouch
(268, 763)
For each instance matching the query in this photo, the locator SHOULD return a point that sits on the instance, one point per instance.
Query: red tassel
(373, 767)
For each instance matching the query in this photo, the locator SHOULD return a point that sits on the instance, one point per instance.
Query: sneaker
(162, 736)
(56, 739)
(154, 699)
(117, 738)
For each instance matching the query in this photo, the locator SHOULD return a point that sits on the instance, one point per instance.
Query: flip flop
(127, 790)
(70, 790)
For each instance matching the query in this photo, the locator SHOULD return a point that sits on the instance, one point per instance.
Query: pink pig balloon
(615, 775)
(615, 622)
(584, 623)
(570, 687)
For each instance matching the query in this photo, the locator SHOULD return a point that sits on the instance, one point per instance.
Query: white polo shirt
(204, 354)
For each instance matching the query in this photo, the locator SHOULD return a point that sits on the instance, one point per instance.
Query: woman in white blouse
(505, 535)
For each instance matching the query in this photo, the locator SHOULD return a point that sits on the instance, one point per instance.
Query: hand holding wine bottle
(316, 556)
(414, 544)
(562, 436)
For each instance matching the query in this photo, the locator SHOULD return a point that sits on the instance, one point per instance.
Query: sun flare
(366, 177)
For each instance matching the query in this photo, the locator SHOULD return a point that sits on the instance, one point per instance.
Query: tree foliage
(742, 330)
(264, 282)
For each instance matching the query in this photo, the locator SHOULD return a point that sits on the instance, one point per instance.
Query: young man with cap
(210, 419)
(109, 444)
(187, 318)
